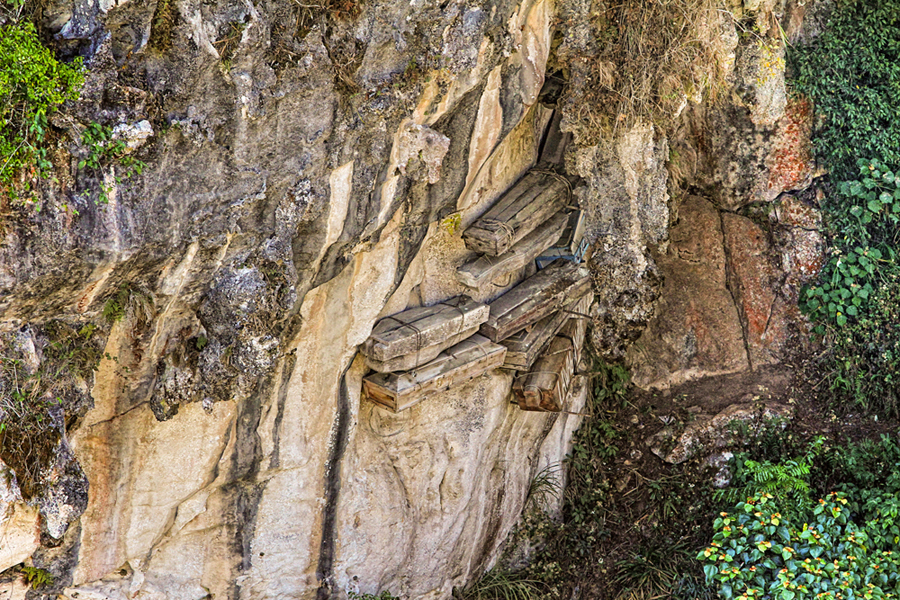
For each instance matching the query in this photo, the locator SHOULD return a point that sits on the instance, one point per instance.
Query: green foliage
(130, 300)
(35, 577)
(852, 74)
(32, 85)
(500, 585)
(787, 480)
(758, 553)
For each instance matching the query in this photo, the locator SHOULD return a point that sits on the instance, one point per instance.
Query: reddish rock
(754, 281)
(791, 164)
(696, 331)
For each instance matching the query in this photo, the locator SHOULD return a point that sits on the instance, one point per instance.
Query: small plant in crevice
(103, 152)
(33, 399)
(500, 585)
(385, 595)
(35, 577)
(546, 486)
(128, 299)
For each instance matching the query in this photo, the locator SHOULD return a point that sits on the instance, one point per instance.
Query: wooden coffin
(418, 329)
(523, 348)
(535, 298)
(454, 366)
(420, 357)
(545, 387)
(521, 210)
(485, 269)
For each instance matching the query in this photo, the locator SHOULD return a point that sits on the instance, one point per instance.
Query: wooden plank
(518, 212)
(454, 366)
(535, 298)
(524, 347)
(424, 355)
(555, 142)
(423, 327)
(485, 269)
(546, 386)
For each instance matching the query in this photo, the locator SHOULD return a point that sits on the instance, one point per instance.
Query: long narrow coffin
(545, 387)
(485, 269)
(420, 357)
(523, 348)
(454, 366)
(419, 330)
(528, 204)
(538, 296)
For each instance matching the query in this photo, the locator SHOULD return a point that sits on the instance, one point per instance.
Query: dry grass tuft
(643, 60)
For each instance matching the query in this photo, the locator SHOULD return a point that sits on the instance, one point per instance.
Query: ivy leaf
(840, 319)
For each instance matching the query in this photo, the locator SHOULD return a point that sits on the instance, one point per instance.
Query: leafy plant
(756, 552)
(545, 486)
(786, 480)
(35, 577)
(32, 85)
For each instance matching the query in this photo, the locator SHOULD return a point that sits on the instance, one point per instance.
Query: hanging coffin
(545, 387)
(486, 269)
(453, 367)
(523, 348)
(521, 210)
(416, 336)
(535, 298)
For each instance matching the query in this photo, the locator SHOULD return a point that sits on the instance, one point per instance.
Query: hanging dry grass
(649, 58)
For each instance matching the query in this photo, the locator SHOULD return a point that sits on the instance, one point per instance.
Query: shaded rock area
(309, 170)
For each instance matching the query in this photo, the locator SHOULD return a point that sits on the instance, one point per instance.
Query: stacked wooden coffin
(429, 349)
(536, 328)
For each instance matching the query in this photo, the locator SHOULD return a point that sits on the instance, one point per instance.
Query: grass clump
(33, 84)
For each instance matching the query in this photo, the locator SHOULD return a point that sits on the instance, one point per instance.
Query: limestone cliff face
(309, 171)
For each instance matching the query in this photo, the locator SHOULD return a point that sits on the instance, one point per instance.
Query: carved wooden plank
(545, 387)
(454, 366)
(523, 208)
(535, 298)
(490, 268)
(523, 348)
(419, 328)
(424, 355)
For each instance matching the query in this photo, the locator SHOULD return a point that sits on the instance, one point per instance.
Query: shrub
(32, 84)
(758, 553)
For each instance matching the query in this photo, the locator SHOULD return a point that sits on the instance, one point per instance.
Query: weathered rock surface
(696, 331)
(707, 433)
(309, 172)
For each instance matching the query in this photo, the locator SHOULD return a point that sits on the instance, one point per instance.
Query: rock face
(309, 170)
